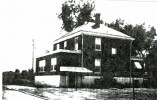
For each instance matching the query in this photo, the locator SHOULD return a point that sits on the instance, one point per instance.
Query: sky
(21, 21)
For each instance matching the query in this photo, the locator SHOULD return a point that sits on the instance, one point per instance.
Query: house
(81, 56)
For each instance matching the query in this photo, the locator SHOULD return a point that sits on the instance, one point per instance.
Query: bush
(105, 83)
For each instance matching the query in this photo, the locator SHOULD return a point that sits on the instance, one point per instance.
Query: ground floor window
(97, 65)
(42, 64)
(53, 64)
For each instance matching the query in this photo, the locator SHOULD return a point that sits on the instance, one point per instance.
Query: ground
(19, 92)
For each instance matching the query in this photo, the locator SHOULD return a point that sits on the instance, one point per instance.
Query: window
(114, 51)
(76, 43)
(65, 44)
(53, 64)
(97, 43)
(57, 46)
(97, 65)
(42, 64)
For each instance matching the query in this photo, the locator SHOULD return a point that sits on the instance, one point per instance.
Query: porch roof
(75, 69)
(67, 51)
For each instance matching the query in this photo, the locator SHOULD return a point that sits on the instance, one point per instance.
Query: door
(72, 80)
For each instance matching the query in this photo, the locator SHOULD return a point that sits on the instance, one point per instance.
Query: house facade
(84, 55)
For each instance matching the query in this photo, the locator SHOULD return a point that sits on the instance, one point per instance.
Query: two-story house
(81, 56)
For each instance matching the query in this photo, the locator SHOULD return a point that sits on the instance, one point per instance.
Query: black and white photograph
(78, 49)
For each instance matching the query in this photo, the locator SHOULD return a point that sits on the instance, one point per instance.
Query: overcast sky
(24, 20)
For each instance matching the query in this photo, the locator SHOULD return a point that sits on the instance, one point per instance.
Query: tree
(85, 14)
(24, 74)
(151, 59)
(74, 15)
(117, 25)
(17, 77)
(151, 64)
(138, 33)
(30, 75)
(17, 71)
(8, 78)
(149, 37)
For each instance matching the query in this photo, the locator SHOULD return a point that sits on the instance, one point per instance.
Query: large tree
(151, 64)
(151, 59)
(75, 14)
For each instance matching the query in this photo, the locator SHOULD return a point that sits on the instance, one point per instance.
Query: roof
(58, 51)
(102, 31)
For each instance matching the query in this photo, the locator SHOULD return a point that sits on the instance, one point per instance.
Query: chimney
(97, 21)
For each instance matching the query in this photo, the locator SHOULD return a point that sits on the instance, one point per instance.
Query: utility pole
(132, 72)
(82, 49)
(133, 86)
(130, 62)
(33, 55)
(82, 57)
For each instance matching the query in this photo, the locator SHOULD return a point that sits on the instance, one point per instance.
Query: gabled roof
(102, 31)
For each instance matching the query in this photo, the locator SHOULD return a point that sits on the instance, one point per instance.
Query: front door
(72, 80)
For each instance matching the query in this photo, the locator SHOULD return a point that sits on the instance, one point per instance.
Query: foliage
(17, 78)
(8, 77)
(151, 59)
(74, 15)
(117, 25)
(17, 71)
(115, 65)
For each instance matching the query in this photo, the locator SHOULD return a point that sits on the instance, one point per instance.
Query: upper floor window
(54, 47)
(76, 43)
(97, 65)
(97, 43)
(58, 47)
(53, 64)
(65, 44)
(114, 51)
(42, 64)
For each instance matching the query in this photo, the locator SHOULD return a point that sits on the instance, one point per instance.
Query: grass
(94, 94)
(99, 94)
